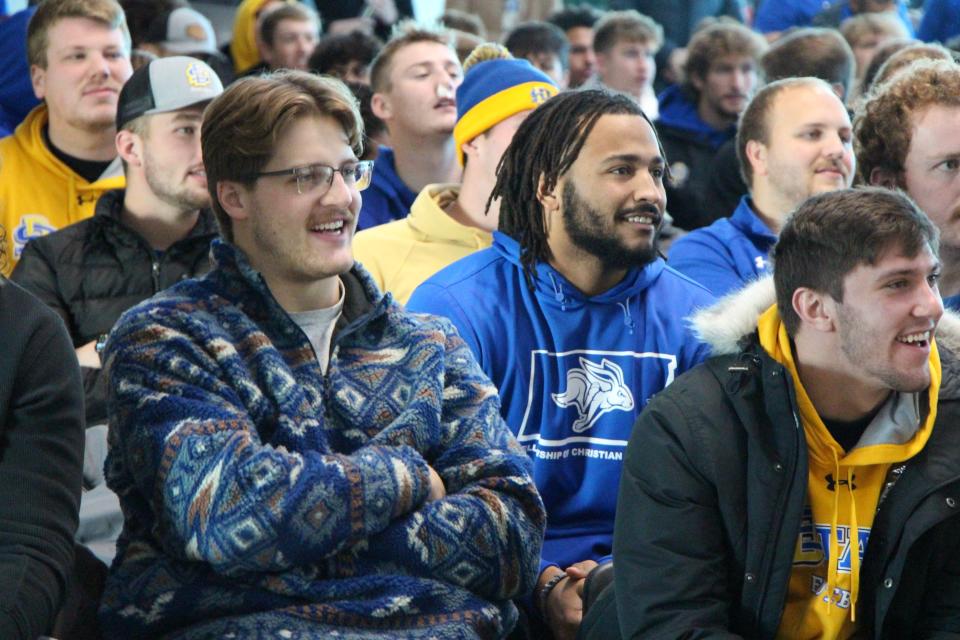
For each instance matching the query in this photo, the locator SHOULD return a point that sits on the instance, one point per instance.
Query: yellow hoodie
(401, 254)
(243, 47)
(38, 193)
(843, 489)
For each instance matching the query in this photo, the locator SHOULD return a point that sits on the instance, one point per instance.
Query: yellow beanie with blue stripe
(496, 86)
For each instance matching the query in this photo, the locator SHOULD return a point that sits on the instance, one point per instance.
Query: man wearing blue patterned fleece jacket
(296, 456)
(794, 141)
(574, 316)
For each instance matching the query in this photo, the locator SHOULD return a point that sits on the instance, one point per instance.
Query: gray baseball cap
(188, 32)
(167, 84)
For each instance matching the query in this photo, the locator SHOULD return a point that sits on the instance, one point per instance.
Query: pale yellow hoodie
(843, 489)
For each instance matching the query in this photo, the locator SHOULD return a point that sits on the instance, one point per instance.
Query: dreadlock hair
(544, 147)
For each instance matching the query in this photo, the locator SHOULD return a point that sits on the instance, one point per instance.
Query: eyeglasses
(320, 176)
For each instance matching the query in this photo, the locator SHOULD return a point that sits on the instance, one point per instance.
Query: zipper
(155, 272)
(784, 496)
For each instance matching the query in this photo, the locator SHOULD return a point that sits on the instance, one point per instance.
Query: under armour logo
(594, 390)
(831, 484)
(760, 262)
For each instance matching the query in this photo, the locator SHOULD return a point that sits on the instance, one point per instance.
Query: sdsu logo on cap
(198, 75)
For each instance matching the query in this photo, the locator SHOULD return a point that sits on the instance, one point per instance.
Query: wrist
(545, 588)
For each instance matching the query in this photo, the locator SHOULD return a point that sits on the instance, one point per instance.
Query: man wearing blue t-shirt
(795, 140)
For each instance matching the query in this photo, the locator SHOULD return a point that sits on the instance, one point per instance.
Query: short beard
(581, 221)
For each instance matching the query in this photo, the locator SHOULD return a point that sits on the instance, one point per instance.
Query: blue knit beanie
(495, 86)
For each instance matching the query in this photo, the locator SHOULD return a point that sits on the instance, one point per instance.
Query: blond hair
(107, 12)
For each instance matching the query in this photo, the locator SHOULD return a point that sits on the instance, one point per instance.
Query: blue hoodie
(573, 373)
(727, 254)
(780, 15)
(387, 198)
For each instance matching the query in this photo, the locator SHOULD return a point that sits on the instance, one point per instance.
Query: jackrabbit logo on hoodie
(589, 396)
(594, 390)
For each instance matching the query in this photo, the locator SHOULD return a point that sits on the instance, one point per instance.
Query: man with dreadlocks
(574, 316)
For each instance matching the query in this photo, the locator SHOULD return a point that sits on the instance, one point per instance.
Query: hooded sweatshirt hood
(555, 290)
(40, 193)
(678, 112)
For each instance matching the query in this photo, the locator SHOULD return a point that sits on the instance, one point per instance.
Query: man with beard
(697, 117)
(62, 157)
(803, 481)
(574, 317)
(140, 240)
(795, 140)
(143, 238)
(296, 455)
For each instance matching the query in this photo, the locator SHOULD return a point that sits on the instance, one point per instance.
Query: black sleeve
(668, 542)
(36, 273)
(41, 461)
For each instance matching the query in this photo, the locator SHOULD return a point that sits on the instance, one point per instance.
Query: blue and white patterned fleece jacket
(263, 498)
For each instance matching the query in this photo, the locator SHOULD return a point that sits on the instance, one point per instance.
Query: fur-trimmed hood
(724, 325)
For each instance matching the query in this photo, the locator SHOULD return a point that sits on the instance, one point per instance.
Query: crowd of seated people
(537, 319)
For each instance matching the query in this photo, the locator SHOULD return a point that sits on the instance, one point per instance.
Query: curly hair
(882, 125)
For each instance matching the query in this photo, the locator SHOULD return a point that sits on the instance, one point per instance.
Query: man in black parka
(804, 481)
(144, 238)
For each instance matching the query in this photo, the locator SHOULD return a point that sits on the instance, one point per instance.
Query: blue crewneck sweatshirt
(573, 372)
(387, 198)
(679, 112)
(727, 254)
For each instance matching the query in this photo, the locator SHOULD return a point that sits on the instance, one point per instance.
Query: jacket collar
(108, 217)
(725, 326)
(363, 301)
(746, 220)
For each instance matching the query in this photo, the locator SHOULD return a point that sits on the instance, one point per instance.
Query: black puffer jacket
(710, 508)
(94, 270)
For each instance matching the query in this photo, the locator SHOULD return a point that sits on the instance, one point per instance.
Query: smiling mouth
(333, 228)
(919, 339)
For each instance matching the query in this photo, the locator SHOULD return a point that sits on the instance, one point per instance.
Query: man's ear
(697, 82)
(816, 310)
(381, 107)
(601, 64)
(38, 78)
(756, 155)
(549, 200)
(234, 198)
(883, 177)
(129, 147)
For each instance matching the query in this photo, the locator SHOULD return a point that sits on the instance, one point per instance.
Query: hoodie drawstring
(627, 318)
(833, 554)
(854, 548)
(558, 292)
